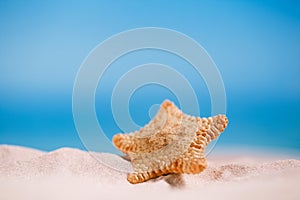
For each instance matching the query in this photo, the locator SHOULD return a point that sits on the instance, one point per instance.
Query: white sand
(73, 174)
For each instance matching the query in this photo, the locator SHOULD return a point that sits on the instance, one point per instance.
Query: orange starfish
(173, 142)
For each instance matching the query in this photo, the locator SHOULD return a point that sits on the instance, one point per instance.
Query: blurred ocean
(256, 46)
(47, 124)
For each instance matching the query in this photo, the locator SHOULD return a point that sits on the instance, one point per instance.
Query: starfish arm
(217, 125)
(193, 160)
(210, 128)
(124, 142)
(139, 177)
(182, 165)
(135, 178)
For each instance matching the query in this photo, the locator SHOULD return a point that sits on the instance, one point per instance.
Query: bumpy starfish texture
(173, 142)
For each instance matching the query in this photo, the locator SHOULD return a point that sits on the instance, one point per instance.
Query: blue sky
(255, 44)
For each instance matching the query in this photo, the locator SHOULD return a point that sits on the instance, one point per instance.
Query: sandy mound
(73, 174)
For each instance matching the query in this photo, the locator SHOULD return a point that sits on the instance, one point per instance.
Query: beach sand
(74, 174)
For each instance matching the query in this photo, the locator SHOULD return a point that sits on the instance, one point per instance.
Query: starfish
(171, 143)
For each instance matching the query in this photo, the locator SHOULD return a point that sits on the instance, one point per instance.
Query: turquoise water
(48, 125)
